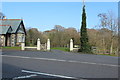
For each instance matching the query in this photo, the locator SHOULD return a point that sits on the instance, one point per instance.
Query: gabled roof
(5, 29)
(14, 23)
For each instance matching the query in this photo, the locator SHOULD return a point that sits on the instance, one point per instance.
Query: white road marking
(22, 77)
(47, 74)
(72, 61)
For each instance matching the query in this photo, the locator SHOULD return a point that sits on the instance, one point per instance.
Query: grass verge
(108, 54)
(11, 48)
(61, 48)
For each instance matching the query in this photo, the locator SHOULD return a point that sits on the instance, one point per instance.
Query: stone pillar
(38, 44)
(22, 46)
(48, 45)
(71, 45)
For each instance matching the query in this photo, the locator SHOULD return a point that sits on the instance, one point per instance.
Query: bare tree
(113, 26)
(109, 21)
(103, 24)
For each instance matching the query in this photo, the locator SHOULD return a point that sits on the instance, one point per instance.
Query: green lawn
(67, 50)
(61, 48)
(108, 54)
(12, 48)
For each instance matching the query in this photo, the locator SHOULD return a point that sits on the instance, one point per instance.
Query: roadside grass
(61, 48)
(11, 48)
(108, 54)
(67, 50)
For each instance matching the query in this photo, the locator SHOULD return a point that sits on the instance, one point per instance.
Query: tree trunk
(111, 47)
(103, 44)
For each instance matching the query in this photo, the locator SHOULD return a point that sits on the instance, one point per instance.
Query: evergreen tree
(85, 47)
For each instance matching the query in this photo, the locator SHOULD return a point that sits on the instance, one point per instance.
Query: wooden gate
(43, 47)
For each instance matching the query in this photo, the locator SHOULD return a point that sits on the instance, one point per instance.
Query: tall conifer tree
(85, 47)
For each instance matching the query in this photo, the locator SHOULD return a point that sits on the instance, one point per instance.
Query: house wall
(2, 40)
(13, 39)
(20, 39)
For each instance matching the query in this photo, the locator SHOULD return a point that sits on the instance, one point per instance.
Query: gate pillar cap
(71, 40)
(48, 39)
(38, 39)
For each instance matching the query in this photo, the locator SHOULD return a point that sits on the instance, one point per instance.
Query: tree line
(60, 37)
(103, 37)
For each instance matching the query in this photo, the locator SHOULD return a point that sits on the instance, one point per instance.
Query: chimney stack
(4, 17)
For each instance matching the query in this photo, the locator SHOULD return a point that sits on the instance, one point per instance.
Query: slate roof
(1, 15)
(14, 23)
(5, 29)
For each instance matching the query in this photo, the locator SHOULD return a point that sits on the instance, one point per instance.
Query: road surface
(57, 65)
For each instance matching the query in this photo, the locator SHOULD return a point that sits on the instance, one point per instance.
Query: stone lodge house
(12, 32)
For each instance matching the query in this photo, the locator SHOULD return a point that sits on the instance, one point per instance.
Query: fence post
(48, 45)
(71, 45)
(22, 46)
(38, 44)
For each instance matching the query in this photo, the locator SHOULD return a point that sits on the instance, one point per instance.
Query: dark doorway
(7, 40)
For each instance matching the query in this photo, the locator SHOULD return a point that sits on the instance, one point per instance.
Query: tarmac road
(57, 64)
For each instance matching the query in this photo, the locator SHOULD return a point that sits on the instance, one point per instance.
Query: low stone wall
(38, 47)
(75, 49)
